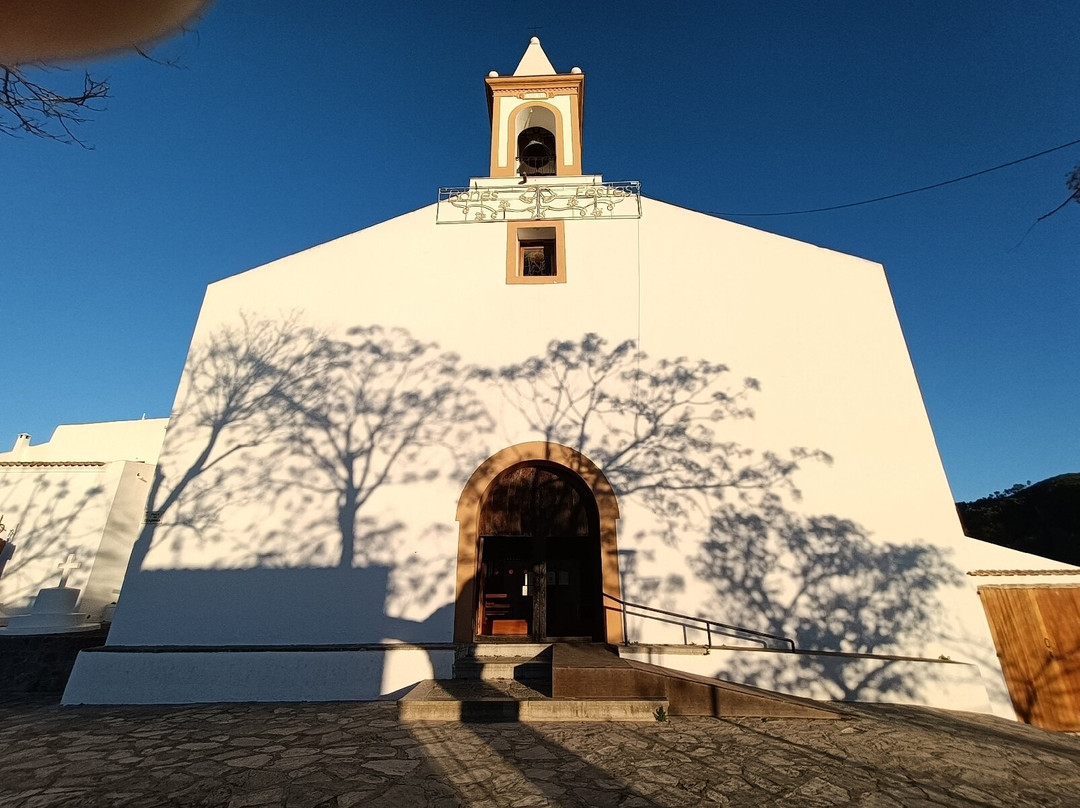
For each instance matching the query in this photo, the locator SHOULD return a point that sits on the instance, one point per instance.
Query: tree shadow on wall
(275, 412)
(653, 426)
(657, 430)
(1043, 692)
(821, 580)
(381, 408)
(281, 437)
(226, 409)
(43, 533)
(273, 409)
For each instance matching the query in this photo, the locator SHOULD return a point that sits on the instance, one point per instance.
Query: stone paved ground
(358, 754)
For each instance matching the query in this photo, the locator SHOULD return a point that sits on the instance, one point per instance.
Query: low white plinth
(53, 612)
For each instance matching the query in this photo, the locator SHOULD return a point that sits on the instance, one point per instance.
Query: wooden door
(1036, 629)
(540, 557)
(574, 608)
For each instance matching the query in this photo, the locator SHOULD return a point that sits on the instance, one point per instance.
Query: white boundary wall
(84, 491)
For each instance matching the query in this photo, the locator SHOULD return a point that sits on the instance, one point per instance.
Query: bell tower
(536, 117)
(535, 180)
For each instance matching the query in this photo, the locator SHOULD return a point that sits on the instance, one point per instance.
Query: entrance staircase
(583, 682)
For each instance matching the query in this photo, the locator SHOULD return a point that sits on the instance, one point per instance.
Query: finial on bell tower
(536, 118)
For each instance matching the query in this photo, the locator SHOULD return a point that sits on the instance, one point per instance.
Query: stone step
(505, 649)
(530, 712)
(502, 700)
(521, 668)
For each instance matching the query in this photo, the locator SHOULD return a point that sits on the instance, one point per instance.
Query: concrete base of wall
(829, 676)
(154, 675)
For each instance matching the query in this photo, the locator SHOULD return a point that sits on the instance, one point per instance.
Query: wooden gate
(1036, 629)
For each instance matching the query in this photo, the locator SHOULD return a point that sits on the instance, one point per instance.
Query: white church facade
(548, 408)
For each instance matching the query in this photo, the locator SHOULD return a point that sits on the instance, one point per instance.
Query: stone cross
(66, 567)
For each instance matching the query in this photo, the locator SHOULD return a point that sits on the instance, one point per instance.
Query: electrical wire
(903, 193)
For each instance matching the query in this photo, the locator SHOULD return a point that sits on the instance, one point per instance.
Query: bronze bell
(536, 147)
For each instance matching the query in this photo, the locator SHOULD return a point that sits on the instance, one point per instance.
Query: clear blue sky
(289, 124)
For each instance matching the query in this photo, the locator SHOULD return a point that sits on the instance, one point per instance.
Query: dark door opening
(539, 576)
(507, 582)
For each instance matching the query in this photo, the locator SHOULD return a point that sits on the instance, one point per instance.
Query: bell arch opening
(536, 131)
(537, 549)
(536, 152)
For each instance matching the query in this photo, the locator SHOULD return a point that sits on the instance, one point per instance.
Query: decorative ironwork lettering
(608, 200)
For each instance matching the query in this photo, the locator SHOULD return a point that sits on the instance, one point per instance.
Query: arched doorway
(537, 549)
(539, 564)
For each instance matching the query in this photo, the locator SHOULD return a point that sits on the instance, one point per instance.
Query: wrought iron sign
(516, 203)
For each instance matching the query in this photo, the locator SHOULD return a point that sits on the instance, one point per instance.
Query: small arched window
(536, 152)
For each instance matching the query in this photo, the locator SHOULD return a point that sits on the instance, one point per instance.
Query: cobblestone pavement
(348, 754)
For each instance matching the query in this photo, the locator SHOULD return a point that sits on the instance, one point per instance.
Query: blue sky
(289, 124)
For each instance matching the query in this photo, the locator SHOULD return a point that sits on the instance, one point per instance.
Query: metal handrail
(708, 626)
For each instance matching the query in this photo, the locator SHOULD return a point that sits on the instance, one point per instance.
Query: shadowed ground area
(359, 754)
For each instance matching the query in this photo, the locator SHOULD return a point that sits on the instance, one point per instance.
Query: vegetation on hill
(1041, 518)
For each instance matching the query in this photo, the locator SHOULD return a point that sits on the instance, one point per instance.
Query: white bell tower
(535, 180)
(536, 118)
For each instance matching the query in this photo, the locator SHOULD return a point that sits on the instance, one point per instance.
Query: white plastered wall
(103, 442)
(122, 525)
(231, 564)
(93, 506)
(438, 283)
(93, 511)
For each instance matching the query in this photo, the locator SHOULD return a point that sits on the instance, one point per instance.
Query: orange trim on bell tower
(536, 96)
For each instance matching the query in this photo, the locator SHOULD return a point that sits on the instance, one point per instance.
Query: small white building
(70, 511)
(510, 414)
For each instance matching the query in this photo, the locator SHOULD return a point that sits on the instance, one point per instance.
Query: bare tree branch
(1069, 199)
(27, 107)
(1072, 182)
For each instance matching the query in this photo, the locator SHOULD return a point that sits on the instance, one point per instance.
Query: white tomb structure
(72, 507)
(511, 413)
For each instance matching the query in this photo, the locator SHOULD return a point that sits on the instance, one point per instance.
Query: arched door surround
(588, 479)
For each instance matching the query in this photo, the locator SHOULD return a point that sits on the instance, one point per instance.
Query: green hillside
(1043, 518)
